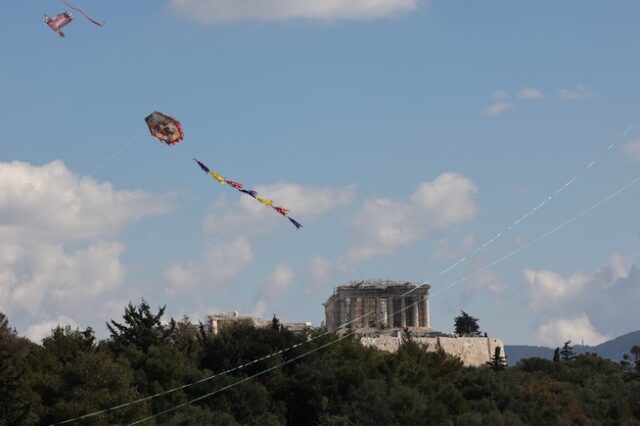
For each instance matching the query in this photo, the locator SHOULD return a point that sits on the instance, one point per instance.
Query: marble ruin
(369, 305)
(379, 312)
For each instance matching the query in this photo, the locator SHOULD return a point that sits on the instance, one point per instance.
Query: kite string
(339, 327)
(246, 379)
(116, 153)
(166, 392)
(536, 208)
(447, 287)
(499, 260)
(100, 24)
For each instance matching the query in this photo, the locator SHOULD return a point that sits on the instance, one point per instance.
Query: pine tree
(275, 323)
(556, 355)
(498, 362)
(141, 327)
(466, 325)
(13, 407)
(567, 353)
(635, 351)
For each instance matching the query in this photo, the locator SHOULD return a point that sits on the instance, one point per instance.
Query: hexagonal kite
(164, 128)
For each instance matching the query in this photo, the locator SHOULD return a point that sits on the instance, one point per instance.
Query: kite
(57, 22)
(265, 201)
(164, 128)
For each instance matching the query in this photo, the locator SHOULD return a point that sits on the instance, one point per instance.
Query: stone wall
(473, 351)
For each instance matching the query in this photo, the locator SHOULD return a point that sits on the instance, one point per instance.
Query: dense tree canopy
(466, 325)
(71, 374)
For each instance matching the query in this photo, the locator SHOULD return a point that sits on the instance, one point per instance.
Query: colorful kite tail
(249, 192)
(100, 24)
(297, 224)
(202, 166)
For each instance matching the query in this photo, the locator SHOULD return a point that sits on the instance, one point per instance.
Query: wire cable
(446, 270)
(495, 262)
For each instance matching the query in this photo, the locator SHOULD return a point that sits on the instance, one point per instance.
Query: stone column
(344, 311)
(425, 304)
(390, 312)
(382, 313)
(403, 312)
(416, 313)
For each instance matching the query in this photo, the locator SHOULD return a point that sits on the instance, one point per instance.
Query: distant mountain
(612, 349)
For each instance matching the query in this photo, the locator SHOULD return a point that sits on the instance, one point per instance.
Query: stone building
(369, 305)
(379, 310)
(217, 322)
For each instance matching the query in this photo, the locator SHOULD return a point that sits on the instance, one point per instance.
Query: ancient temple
(378, 305)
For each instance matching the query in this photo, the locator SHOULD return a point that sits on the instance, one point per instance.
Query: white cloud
(609, 295)
(446, 200)
(580, 92)
(51, 202)
(499, 94)
(320, 268)
(212, 11)
(484, 282)
(547, 289)
(557, 331)
(272, 289)
(632, 149)
(42, 329)
(530, 94)
(280, 279)
(498, 108)
(447, 251)
(303, 202)
(217, 265)
(259, 309)
(57, 253)
(382, 225)
(306, 202)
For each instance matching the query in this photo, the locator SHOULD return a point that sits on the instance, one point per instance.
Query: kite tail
(297, 224)
(100, 24)
(202, 166)
(250, 192)
(60, 33)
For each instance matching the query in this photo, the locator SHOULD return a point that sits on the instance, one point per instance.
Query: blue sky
(403, 134)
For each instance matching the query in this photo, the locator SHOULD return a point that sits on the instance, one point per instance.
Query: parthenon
(371, 305)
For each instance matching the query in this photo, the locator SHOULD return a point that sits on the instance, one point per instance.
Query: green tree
(498, 362)
(14, 405)
(74, 377)
(635, 351)
(275, 323)
(567, 353)
(466, 325)
(556, 355)
(141, 328)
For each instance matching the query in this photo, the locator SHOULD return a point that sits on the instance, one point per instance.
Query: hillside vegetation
(71, 374)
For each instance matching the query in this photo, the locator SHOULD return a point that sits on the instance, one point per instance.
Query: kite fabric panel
(164, 128)
(236, 185)
(57, 22)
(60, 20)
